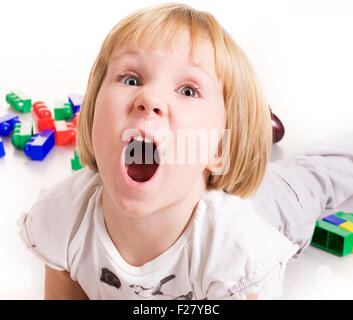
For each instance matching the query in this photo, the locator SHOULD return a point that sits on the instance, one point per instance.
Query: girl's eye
(189, 91)
(130, 80)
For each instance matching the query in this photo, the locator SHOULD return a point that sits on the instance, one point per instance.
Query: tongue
(141, 172)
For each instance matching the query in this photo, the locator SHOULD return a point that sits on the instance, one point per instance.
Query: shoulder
(237, 245)
(51, 223)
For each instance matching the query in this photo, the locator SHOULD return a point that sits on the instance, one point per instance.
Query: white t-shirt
(226, 251)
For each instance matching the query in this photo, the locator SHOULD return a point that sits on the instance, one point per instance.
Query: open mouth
(141, 159)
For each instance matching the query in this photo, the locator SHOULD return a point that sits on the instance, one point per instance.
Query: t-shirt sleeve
(245, 255)
(265, 284)
(43, 240)
(49, 226)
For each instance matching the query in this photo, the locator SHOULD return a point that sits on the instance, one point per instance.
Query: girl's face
(154, 92)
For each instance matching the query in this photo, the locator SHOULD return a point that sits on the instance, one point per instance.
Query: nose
(150, 102)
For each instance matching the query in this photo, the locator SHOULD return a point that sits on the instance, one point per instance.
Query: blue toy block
(2, 149)
(39, 145)
(76, 101)
(334, 220)
(344, 215)
(7, 123)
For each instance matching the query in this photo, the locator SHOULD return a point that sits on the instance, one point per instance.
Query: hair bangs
(158, 29)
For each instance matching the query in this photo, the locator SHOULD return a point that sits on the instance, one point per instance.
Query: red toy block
(42, 116)
(64, 133)
(76, 120)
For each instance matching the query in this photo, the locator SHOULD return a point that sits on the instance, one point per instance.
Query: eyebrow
(135, 52)
(130, 52)
(203, 70)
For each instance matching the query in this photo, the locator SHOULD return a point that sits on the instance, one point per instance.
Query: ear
(219, 157)
(214, 160)
(214, 164)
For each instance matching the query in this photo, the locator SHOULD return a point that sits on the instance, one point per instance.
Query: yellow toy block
(347, 225)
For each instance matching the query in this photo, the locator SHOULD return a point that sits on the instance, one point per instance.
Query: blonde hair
(247, 114)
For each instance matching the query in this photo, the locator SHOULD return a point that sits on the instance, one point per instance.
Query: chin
(135, 208)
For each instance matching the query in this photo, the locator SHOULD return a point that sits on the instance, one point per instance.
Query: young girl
(224, 228)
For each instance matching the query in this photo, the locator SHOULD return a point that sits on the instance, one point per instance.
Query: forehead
(197, 52)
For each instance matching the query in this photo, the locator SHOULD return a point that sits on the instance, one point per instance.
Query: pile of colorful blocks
(38, 137)
(334, 233)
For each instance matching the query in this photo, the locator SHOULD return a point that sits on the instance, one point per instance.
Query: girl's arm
(59, 286)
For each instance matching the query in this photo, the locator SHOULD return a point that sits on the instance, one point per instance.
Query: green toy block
(344, 216)
(75, 162)
(62, 110)
(22, 133)
(332, 238)
(19, 101)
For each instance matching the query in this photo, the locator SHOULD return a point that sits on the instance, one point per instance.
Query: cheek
(108, 106)
(210, 124)
(106, 126)
(98, 137)
(208, 115)
(217, 113)
(98, 132)
(207, 124)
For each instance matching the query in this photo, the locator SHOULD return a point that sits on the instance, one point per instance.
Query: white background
(302, 53)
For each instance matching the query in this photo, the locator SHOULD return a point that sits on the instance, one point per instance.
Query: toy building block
(62, 110)
(345, 216)
(334, 233)
(39, 145)
(76, 101)
(7, 123)
(334, 220)
(64, 133)
(332, 238)
(42, 116)
(75, 122)
(22, 133)
(347, 225)
(75, 161)
(19, 101)
(2, 149)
